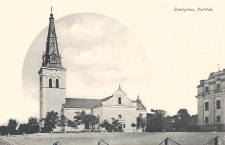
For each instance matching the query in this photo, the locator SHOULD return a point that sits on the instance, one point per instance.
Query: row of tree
(32, 126)
(155, 121)
(52, 120)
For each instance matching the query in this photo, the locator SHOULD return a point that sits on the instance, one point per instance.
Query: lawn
(184, 138)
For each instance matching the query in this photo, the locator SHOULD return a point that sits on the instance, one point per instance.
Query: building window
(218, 104)
(57, 83)
(50, 83)
(218, 87)
(206, 106)
(119, 100)
(217, 118)
(206, 119)
(206, 89)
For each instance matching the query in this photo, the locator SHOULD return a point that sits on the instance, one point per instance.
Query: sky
(143, 45)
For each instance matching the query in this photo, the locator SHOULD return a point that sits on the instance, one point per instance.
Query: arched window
(50, 83)
(57, 83)
(119, 100)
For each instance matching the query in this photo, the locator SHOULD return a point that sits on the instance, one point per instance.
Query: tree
(12, 124)
(115, 123)
(184, 119)
(4, 130)
(106, 124)
(86, 119)
(63, 121)
(194, 120)
(155, 120)
(133, 125)
(90, 120)
(33, 125)
(141, 122)
(71, 124)
(50, 120)
(78, 118)
(23, 128)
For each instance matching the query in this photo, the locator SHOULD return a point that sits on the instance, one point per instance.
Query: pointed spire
(218, 67)
(51, 57)
(119, 87)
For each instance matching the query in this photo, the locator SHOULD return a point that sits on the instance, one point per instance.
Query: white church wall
(70, 112)
(124, 101)
(98, 113)
(110, 111)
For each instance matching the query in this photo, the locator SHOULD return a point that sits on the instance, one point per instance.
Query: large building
(52, 77)
(211, 100)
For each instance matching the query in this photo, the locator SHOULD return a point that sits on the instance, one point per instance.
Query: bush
(102, 125)
(4, 130)
(133, 125)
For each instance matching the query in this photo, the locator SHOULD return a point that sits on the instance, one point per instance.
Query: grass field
(183, 138)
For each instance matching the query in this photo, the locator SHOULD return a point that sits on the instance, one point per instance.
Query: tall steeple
(51, 57)
(52, 75)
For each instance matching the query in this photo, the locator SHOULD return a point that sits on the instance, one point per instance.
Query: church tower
(52, 75)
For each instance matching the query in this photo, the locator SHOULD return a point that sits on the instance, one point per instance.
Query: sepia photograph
(112, 72)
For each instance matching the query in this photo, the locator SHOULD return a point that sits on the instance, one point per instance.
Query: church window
(206, 89)
(218, 87)
(206, 119)
(218, 104)
(206, 106)
(57, 83)
(217, 118)
(50, 83)
(119, 100)
(124, 126)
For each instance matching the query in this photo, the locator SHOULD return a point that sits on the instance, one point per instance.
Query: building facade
(52, 76)
(117, 106)
(211, 100)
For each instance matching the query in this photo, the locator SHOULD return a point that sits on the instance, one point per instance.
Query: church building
(211, 100)
(52, 76)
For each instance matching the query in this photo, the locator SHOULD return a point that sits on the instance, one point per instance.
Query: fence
(215, 141)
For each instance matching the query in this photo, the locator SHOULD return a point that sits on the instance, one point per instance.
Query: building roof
(91, 103)
(102, 100)
(81, 103)
(140, 106)
(216, 74)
